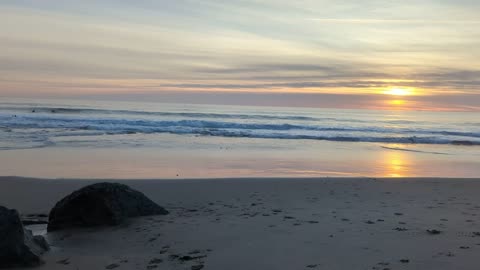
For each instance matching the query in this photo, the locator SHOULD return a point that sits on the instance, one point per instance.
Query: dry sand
(323, 223)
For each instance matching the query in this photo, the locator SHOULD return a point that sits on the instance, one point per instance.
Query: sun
(398, 91)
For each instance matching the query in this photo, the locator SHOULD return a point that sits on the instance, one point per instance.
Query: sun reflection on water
(396, 164)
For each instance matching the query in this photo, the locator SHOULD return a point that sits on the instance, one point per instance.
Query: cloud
(393, 21)
(269, 68)
(232, 46)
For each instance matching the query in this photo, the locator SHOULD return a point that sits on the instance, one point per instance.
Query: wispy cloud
(393, 21)
(252, 46)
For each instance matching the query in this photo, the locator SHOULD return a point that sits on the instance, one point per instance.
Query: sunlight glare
(398, 91)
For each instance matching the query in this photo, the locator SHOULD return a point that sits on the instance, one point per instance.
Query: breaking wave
(92, 122)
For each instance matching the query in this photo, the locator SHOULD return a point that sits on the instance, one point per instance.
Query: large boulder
(101, 204)
(18, 247)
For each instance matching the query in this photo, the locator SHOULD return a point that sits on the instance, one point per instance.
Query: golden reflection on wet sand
(397, 164)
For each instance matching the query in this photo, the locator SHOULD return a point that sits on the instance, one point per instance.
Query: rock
(18, 247)
(101, 204)
(41, 242)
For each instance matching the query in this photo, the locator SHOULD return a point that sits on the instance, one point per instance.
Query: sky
(380, 54)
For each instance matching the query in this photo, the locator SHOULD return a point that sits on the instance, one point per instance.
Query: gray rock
(41, 242)
(101, 204)
(18, 247)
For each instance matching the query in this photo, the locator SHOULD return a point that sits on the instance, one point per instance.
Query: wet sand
(322, 223)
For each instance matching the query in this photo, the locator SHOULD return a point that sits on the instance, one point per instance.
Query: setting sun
(398, 91)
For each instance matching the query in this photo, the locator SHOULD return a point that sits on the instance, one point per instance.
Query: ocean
(155, 140)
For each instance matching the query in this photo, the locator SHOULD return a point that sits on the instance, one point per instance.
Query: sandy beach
(323, 223)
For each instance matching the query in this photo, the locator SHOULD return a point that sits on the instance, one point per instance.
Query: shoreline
(188, 157)
(271, 223)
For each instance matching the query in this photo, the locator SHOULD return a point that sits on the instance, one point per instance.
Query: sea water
(62, 138)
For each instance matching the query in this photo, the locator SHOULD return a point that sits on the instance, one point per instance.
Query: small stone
(173, 256)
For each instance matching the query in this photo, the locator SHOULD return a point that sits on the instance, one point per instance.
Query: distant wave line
(62, 110)
(141, 125)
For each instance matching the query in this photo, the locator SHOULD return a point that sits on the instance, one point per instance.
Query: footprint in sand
(434, 232)
(112, 266)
